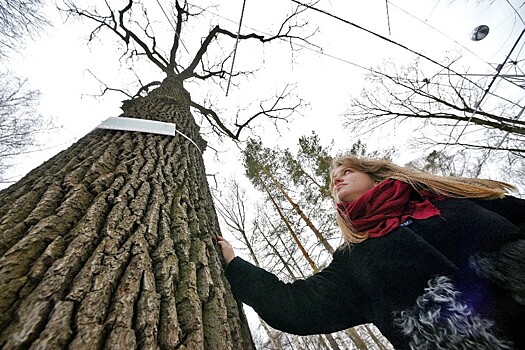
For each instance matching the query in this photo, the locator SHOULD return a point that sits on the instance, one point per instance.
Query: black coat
(443, 281)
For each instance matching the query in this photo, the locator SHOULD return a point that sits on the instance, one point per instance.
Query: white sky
(58, 62)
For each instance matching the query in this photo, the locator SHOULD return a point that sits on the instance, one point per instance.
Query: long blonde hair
(447, 186)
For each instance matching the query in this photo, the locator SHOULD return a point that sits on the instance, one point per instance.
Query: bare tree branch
(115, 21)
(17, 20)
(176, 37)
(409, 96)
(20, 124)
(273, 112)
(142, 42)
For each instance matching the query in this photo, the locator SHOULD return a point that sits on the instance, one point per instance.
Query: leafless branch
(116, 22)
(19, 19)
(140, 41)
(408, 96)
(20, 124)
(278, 110)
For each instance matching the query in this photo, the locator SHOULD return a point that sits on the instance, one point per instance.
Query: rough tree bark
(111, 244)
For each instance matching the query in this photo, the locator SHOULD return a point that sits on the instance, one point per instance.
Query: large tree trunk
(111, 244)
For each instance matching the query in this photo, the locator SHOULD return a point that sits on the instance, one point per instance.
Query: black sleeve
(511, 208)
(315, 305)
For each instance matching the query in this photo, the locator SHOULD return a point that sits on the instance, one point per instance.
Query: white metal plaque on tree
(140, 125)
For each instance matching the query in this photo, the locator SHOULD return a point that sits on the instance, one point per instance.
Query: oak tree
(112, 242)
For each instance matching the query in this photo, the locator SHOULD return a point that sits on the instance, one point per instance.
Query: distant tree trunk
(111, 244)
(299, 211)
(292, 232)
(284, 261)
(274, 340)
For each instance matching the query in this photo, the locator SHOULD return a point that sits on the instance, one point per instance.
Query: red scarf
(385, 207)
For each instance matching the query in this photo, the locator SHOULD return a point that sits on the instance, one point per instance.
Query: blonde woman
(434, 262)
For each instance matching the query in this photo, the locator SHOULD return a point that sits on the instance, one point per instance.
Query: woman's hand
(227, 249)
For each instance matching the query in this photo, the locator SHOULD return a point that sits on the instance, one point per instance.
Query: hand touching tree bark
(227, 250)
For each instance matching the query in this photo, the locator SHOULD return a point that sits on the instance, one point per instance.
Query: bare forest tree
(18, 20)
(20, 123)
(461, 163)
(111, 243)
(443, 111)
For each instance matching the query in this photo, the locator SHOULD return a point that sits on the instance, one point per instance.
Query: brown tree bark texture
(111, 244)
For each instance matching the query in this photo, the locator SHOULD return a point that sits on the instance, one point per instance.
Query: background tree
(442, 163)
(20, 124)
(443, 111)
(111, 243)
(18, 20)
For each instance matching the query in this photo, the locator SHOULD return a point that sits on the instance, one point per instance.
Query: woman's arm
(315, 305)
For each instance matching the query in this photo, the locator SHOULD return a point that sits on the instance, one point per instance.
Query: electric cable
(172, 26)
(455, 41)
(320, 52)
(432, 11)
(486, 91)
(517, 13)
(386, 39)
(388, 17)
(235, 48)
(350, 62)
(439, 31)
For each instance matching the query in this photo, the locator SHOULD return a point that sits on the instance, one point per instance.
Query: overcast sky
(59, 62)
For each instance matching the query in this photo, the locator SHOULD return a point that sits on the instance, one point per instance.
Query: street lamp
(479, 33)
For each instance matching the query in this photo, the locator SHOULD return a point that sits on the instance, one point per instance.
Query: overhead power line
(386, 39)
(320, 52)
(516, 11)
(437, 30)
(172, 26)
(486, 90)
(236, 44)
(402, 46)
(431, 11)
(457, 43)
(388, 17)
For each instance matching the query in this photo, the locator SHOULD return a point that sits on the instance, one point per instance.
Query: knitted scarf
(385, 207)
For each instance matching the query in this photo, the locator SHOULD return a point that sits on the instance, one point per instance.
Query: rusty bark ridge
(111, 244)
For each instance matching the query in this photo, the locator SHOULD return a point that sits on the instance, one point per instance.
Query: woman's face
(349, 184)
